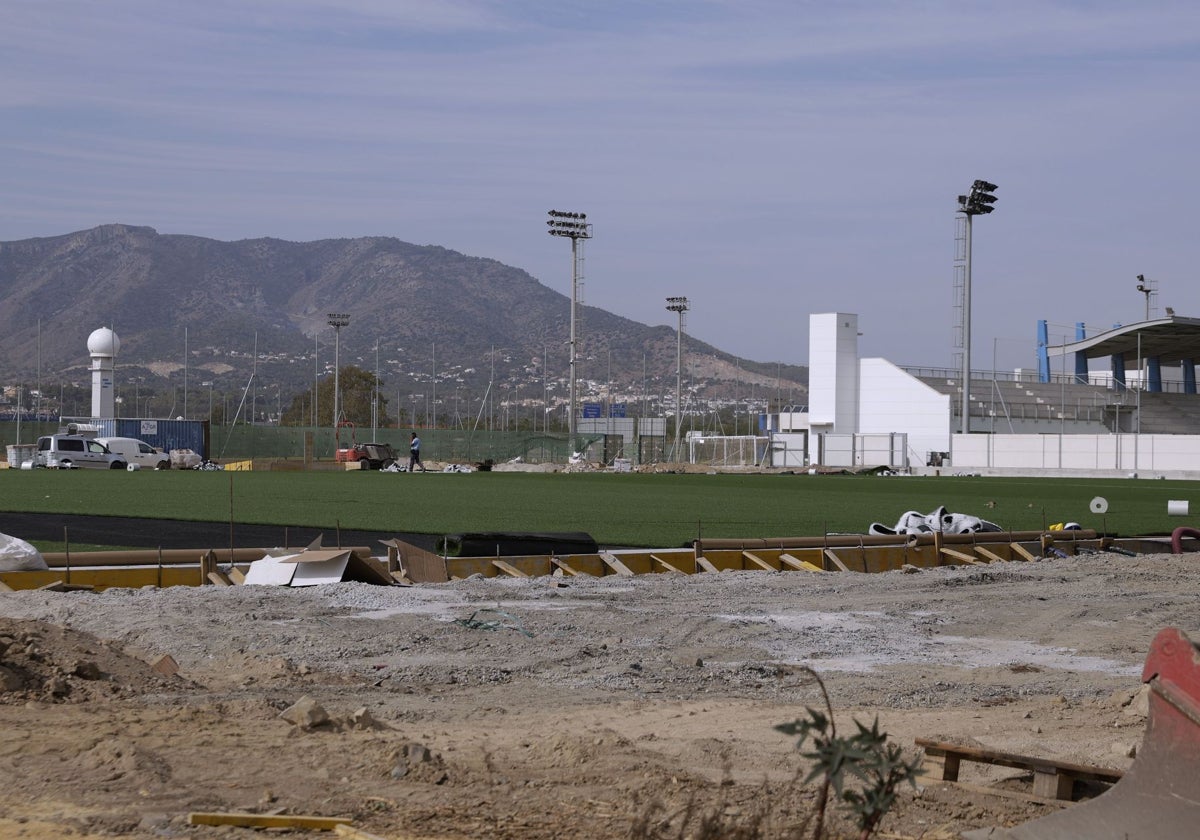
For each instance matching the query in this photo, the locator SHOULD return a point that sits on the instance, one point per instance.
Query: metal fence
(727, 450)
(242, 442)
(443, 445)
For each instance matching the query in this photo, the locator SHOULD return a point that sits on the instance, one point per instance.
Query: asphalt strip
(135, 532)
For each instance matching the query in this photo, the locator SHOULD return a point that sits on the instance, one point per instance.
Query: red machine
(370, 456)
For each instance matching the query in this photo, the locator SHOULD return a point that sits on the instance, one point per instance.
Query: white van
(67, 452)
(137, 452)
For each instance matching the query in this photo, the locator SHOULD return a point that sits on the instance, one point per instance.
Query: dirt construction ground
(553, 708)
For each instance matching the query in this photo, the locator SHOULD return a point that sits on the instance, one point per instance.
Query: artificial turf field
(630, 509)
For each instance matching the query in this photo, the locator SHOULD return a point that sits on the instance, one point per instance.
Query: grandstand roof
(1172, 339)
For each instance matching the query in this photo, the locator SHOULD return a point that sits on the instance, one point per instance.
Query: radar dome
(103, 342)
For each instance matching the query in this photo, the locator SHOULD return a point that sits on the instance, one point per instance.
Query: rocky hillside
(415, 301)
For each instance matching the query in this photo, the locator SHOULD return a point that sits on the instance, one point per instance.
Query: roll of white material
(1177, 507)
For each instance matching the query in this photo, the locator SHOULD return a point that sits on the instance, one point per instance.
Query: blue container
(164, 434)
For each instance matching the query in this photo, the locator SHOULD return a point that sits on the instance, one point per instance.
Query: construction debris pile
(44, 663)
(544, 707)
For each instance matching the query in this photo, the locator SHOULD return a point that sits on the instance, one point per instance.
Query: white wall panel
(892, 400)
(1126, 452)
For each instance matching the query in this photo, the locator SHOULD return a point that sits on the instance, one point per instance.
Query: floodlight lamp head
(978, 202)
(563, 223)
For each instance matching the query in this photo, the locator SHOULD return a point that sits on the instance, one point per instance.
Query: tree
(358, 390)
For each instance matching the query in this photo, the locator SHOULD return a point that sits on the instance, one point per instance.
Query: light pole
(977, 203)
(1146, 287)
(575, 227)
(208, 382)
(680, 306)
(337, 320)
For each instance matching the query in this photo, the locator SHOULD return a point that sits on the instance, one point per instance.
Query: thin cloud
(805, 154)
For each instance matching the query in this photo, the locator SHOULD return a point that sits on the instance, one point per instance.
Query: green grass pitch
(615, 508)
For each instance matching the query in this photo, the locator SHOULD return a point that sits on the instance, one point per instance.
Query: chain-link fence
(246, 442)
(445, 445)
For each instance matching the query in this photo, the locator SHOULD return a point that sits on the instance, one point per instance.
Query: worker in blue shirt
(414, 454)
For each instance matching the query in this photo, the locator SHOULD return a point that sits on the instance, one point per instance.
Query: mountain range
(230, 308)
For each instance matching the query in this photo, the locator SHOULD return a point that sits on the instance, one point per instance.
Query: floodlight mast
(575, 227)
(1146, 287)
(977, 203)
(337, 320)
(680, 306)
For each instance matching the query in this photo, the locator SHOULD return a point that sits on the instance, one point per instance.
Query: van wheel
(117, 465)
(65, 465)
(364, 464)
(163, 465)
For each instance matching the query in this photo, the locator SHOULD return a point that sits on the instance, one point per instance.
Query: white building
(870, 412)
(861, 412)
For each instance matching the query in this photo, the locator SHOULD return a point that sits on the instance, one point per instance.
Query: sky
(767, 160)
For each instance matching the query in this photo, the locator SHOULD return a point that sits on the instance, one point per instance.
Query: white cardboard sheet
(312, 573)
(271, 571)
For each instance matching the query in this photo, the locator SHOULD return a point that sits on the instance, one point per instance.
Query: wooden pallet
(1052, 779)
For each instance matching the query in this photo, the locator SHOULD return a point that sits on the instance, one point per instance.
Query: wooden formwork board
(675, 563)
(460, 568)
(169, 556)
(101, 578)
(807, 556)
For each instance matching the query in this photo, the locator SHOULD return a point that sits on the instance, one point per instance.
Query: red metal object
(344, 454)
(1177, 538)
(1159, 797)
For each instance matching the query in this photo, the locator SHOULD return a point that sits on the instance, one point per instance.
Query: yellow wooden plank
(798, 564)
(705, 565)
(1022, 552)
(961, 556)
(758, 561)
(509, 569)
(566, 567)
(989, 554)
(352, 833)
(266, 820)
(235, 575)
(835, 560)
(219, 579)
(614, 563)
(4, 587)
(654, 558)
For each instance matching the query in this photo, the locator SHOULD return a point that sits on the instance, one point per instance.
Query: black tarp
(515, 544)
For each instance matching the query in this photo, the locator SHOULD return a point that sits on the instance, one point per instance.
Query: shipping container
(164, 434)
